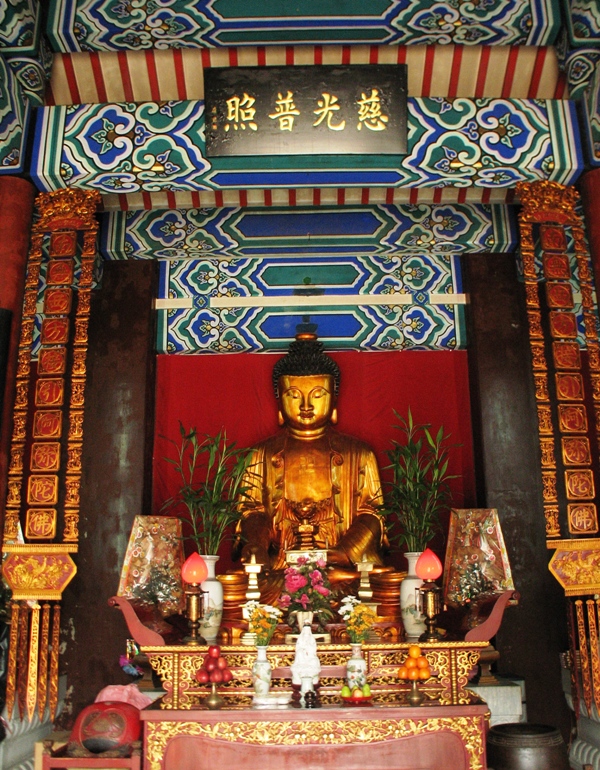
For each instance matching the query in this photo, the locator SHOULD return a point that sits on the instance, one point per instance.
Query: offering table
(378, 736)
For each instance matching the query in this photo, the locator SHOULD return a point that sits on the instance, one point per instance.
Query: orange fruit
(403, 672)
(414, 651)
(413, 673)
(410, 663)
(424, 673)
(422, 662)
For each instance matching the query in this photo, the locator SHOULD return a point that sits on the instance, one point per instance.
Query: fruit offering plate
(272, 700)
(366, 700)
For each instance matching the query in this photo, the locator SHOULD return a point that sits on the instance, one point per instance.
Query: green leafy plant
(419, 489)
(211, 472)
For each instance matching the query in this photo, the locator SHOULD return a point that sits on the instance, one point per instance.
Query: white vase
(261, 672)
(414, 622)
(356, 668)
(213, 602)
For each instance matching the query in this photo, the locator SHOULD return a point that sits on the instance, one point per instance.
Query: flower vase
(261, 672)
(414, 622)
(213, 602)
(356, 667)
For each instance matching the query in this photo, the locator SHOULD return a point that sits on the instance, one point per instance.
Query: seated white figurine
(306, 661)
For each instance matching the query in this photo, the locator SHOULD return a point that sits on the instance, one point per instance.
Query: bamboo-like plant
(211, 472)
(419, 490)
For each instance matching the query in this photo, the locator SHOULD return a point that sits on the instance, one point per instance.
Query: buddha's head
(306, 383)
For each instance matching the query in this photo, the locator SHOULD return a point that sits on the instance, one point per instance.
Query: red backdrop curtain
(234, 392)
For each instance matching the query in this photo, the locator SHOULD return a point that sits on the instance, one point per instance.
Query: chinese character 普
(241, 112)
(369, 112)
(285, 111)
(327, 106)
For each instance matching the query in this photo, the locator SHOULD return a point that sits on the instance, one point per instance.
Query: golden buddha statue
(310, 477)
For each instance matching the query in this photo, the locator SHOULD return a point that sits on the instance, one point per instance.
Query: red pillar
(16, 209)
(589, 186)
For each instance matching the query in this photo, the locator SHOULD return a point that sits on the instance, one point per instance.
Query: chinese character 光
(241, 112)
(327, 106)
(369, 112)
(284, 111)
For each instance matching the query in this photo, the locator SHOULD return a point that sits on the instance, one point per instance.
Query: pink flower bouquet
(307, 589)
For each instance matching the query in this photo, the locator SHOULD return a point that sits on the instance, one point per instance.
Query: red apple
(227, 675)
(221, 662)
(216, 676)
(202, 676)
(210, 665)
(214, 651)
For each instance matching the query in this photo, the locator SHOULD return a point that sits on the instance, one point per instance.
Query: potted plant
(211, 471)
(416, 495)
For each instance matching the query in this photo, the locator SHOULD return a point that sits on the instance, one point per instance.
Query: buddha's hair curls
(305, 357)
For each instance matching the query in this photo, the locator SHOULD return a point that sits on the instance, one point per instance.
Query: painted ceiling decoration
(360, 230)
(362, 303)
(104, 25)
(153, 147)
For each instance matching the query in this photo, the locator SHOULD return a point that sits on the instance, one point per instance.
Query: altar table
(377, 737)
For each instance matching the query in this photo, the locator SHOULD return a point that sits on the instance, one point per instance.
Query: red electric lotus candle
(194, 569)
(428, 566)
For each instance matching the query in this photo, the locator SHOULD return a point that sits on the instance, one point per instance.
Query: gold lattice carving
(546, 201)
(549, 486)
(547, 450)
(26, 333)
(528, 260)
(17, 452)
(551, 513)
(84, 301)
(77, 394)
(538, 355)
(81, 331)
(23, 364)
(590, 322)
(584, 656)
(76, 426)
(29, 302)
(19, 426)
(74, 458)
(470, 730)
(72, 484)
(67, 208)
(70, 529)
(86, 275)
(535, 325)
(79, 366)
(532, 294)
(593, 349)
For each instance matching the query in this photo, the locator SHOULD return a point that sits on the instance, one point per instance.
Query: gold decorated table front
(451, 664)
(388, 735)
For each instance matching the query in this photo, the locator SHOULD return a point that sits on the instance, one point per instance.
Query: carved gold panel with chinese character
(569, 386)
(579, 484)
(42, 490)
(583, 518)
(49, 392)
(576, 450)
(566, 355)
(45, 456)
(40, 523)
(572, 418)
(52, 361)
(563, 324)
(559, 295)
(47, 424)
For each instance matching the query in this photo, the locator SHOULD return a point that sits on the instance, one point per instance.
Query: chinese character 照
(369, 112)
(284, 111)
(327, 106)
(241, 112)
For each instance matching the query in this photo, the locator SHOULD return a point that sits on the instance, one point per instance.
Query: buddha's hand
(260, 553)
(338, 557)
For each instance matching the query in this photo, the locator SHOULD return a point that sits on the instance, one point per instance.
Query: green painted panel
(273, 9)
(310, 275)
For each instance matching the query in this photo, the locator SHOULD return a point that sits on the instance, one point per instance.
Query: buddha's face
(307, 403)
